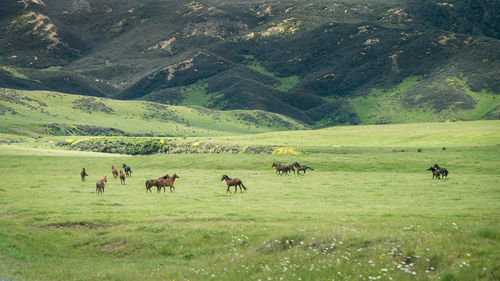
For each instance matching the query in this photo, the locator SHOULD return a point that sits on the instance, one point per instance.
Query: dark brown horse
(434, 172)
(438, 172)
(233, 182)
(280, 169)
(83, 174)
(302, 168)
(99, 185)
(114, 171)
(122, 177)
(169, 181)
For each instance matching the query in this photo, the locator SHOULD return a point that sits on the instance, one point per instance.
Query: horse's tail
(243, 186)
(147, 184)
(307, 167)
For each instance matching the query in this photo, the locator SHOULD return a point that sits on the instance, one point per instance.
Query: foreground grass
(362, 214)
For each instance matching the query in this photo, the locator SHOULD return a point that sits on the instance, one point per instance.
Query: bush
(285, 150)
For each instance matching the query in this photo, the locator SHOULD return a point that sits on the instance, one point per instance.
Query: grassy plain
(368, 210)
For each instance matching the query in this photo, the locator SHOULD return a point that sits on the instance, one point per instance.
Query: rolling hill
(39, 113)
(322, 62)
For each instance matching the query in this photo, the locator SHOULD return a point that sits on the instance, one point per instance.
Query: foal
(233, 182)
(114, 171)
(99, 185)
(122, 177)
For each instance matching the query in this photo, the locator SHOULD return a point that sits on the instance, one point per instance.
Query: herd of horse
(167, 180)
(285, 169)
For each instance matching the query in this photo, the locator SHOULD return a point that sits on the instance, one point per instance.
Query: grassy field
(30, 113)
(368, 210)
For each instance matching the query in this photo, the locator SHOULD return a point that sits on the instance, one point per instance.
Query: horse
(280, 169)
(289, 168)
(127, 169)
(438, 172)
(99, 185)
(301, 168)
(168, 181)
(441, 171)
(233, 182)
(114, 171)
(83, 174)
(122, 177)
(154, 182)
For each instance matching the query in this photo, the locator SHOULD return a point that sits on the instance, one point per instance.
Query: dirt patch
(110, 247)
(74, 226)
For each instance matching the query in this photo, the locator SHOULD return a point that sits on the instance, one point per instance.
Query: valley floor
(366, 212)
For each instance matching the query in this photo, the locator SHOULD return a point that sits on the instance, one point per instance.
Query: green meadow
(368, 211)
(40, 113)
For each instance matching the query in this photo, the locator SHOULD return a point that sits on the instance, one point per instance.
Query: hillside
(39, 113)
(321, 62)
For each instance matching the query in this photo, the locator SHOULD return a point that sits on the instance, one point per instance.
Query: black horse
(302, 168)
(127, 170)
(438, 172)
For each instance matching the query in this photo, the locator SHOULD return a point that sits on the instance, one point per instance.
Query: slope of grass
(36, 109)
(16, 74)
(286, 83)
(389, 106)
(364, 212)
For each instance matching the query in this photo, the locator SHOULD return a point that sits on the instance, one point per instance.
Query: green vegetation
(49, 113)
(195, 94)
(368, 209)
(52, 68)
(16, 74)
(409, 102)
(286, 83)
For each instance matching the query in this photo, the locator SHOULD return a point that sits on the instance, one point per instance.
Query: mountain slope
(310, 60)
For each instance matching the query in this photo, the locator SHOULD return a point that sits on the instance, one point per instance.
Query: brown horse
(280, 169)
(302, 168)
(233, 182)
(114, 171)
(150, 183)
(83, 174)
(99, 185)
(122, 177)
(169, 181)
(154, 182)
